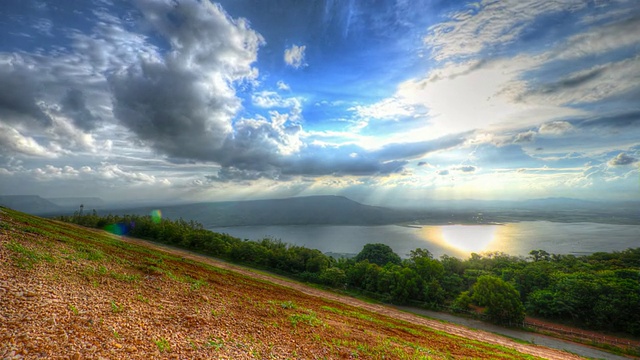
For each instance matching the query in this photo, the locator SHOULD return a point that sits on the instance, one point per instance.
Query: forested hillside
(598, 291)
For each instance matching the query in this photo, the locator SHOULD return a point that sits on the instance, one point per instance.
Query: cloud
(391, 108)
(618, 33)
(12, 141)
(590, 85)
(524, 137)
(283, 86)
(489, 25)
(183, 104)
(417, 149)
(463, 97)
(442, 172)
(19, 101)
(555, 128)
(294, 56)
(270, 99)
(464, 168)
(622, 159)
(74, 105)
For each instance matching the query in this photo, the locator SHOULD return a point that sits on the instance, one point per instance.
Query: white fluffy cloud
(622, 159)
(12, 141)
(294, 56)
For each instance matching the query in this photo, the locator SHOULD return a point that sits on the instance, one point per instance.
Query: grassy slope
(76, 292)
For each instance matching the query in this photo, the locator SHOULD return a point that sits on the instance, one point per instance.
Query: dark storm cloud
(622, 159)
(74, 104)
(20, 94)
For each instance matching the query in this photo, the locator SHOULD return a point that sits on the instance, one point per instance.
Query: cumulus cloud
(294, 56)
(622, 159)
(183, 104)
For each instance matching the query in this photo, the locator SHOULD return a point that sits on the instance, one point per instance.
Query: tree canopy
(379, 254)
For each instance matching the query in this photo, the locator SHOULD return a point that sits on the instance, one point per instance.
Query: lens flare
(156, 216)
(117, 229)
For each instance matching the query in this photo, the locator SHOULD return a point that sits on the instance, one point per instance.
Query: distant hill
(32, 204)
(75, 202)
(312, 210)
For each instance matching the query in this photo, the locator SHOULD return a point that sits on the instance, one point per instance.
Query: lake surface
(455, 240)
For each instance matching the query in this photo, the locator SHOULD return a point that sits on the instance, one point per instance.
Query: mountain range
(339, 210)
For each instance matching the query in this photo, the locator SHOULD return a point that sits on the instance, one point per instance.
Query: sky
(385, 102)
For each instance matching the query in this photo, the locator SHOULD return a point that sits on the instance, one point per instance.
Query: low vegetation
(69, 304)
(598, 291)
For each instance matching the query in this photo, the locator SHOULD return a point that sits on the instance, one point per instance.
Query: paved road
(576, 348)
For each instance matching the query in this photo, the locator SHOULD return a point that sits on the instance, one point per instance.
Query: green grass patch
(162, 344)
(26, 258)
(333, 310)
(288, 305)
(309, 318)
(73, 309)
(217, 343)
(84, 252)
(115, 307)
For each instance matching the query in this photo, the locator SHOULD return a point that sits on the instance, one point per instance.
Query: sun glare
(463, 239)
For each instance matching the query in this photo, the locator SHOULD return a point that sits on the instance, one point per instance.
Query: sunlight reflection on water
(462, 239)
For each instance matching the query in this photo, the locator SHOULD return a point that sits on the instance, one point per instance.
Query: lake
(455, 240)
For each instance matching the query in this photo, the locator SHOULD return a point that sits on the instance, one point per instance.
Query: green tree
(501, 299)
(379, 254)
(539, 255)
(334, 277)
